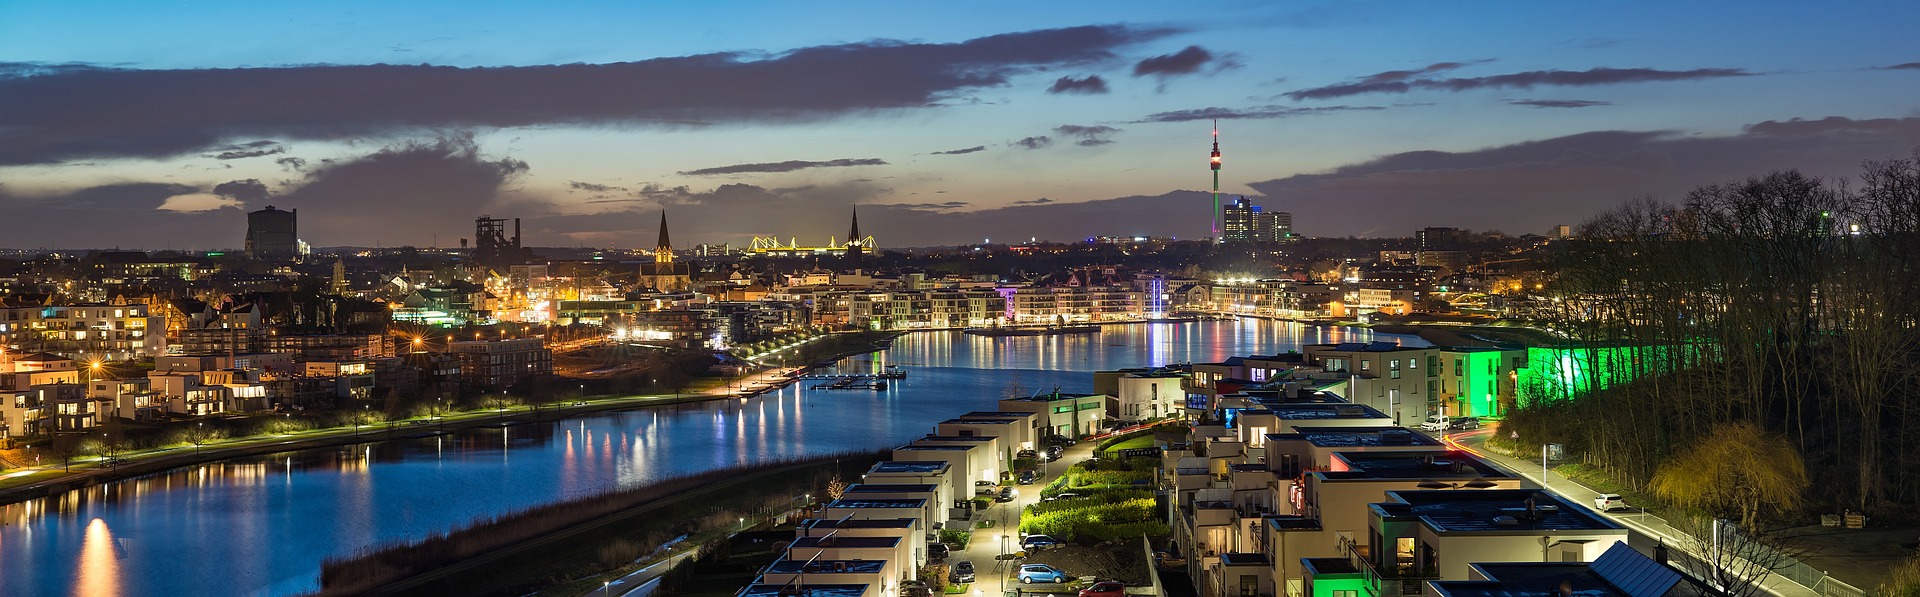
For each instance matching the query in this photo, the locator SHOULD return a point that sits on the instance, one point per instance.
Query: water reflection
(99, 572)
(260, 526)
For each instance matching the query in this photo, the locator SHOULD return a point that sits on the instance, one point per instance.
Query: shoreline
(167, 459)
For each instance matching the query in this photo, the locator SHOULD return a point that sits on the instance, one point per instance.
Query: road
(1636, 521)
(999, 575)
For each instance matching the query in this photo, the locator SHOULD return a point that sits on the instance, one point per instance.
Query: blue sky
(135, 112)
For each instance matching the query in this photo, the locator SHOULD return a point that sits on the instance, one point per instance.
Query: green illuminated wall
(1568, 373)
(1477, 389)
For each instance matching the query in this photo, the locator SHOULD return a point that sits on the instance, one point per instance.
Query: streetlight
(604, 587)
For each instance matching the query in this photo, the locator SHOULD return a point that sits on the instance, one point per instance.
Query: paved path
(998, 575)
(1636, 521)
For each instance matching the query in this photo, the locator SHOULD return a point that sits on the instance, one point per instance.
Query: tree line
(1784, 302)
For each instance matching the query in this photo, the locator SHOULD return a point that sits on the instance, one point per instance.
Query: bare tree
(1728, 558)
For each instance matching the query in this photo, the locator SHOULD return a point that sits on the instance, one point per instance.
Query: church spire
(854, 242)
(663, 252)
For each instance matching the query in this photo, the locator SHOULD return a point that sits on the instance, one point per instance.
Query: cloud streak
(1184, 62)
(786, 166)
(1254, 113)
(163, 113)
(1091, 85)
(1549, 103)
(1086, 136)
(962, 151)
(1034, 142)
(1405, 81)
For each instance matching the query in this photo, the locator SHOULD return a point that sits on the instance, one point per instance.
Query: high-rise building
(1239, 221)
(273, 234)
(1246, 222)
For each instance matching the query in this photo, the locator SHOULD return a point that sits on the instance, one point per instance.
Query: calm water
(260, 526)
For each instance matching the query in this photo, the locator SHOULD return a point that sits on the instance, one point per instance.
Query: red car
(1105, 588)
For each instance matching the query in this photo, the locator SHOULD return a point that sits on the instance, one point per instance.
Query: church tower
(854, 243)
(663, 252)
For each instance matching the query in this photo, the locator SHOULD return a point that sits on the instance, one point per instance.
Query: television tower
(1216, 182)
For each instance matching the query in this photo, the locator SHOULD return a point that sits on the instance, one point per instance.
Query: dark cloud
(162, 113)
(1903, 66)
(1254, 113)
(117, 215)
(1401, 82)
(1548, 103)
(966, 150)
(247, 192)
(929, 206)
(786, 166)
(1034, 142)
(593, 187)
(291, 164)
(1090, 85)
(1527, 187)
(1183, 62)
(1040, 201)
(403, 193)
(1086, 136)
(248, 150)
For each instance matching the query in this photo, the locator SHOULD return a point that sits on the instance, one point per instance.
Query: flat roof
(878, 503)
(980, 421)
(1013, 414)
(858, 523)
(1340, 437)
(958, 438)
(812, 590)
(1375, 346)
(1324, 410)
(1293, 523)
(891, 487)
(838, 541)
(1448, 464)
(1325, 566)
(1052, 396)
(826, 567)
(911, 447)
(1493, 510)
(1245, 559)
(909, 466)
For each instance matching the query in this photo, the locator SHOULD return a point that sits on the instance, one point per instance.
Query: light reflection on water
(260, 526)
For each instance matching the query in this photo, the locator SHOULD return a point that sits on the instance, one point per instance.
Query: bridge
(770, 246)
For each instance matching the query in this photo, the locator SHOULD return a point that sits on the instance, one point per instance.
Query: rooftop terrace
(909, 466)
(1495, 510)
(1450, 464)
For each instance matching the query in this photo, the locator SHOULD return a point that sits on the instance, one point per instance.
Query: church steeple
(663, 252)
(854, 242)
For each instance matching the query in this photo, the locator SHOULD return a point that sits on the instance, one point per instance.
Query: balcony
(1395, 580)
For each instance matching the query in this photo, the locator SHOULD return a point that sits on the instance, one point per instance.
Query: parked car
(1007, 494)
(1039, 542)
(1435, 423)
(1028, 477)
(1059, 440)
(938, 551)
(1033, 573)
(914, 588)
(1464, 423)
(1062, 496)
(1028, 454)
(961, 572)
(1105, 588)
(1608, 502)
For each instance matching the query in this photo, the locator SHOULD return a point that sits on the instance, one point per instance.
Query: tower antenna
(1215, 216)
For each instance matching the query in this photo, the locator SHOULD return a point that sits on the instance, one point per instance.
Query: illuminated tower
(663, 252)
(1215, 216)
(854, 245)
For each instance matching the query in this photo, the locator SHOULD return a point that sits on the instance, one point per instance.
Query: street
(1004, 535)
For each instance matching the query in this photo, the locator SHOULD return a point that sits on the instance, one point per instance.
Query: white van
(1435, 423)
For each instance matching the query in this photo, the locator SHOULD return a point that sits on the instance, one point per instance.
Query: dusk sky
(157, 125)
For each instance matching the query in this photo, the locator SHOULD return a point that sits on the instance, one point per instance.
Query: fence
(1736, 543)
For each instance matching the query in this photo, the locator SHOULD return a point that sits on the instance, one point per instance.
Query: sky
(159, 125)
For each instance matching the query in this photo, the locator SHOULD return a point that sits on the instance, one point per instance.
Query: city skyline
(147, 127)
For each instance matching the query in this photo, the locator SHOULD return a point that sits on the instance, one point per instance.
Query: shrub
(957, 538)
(1905, 580)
